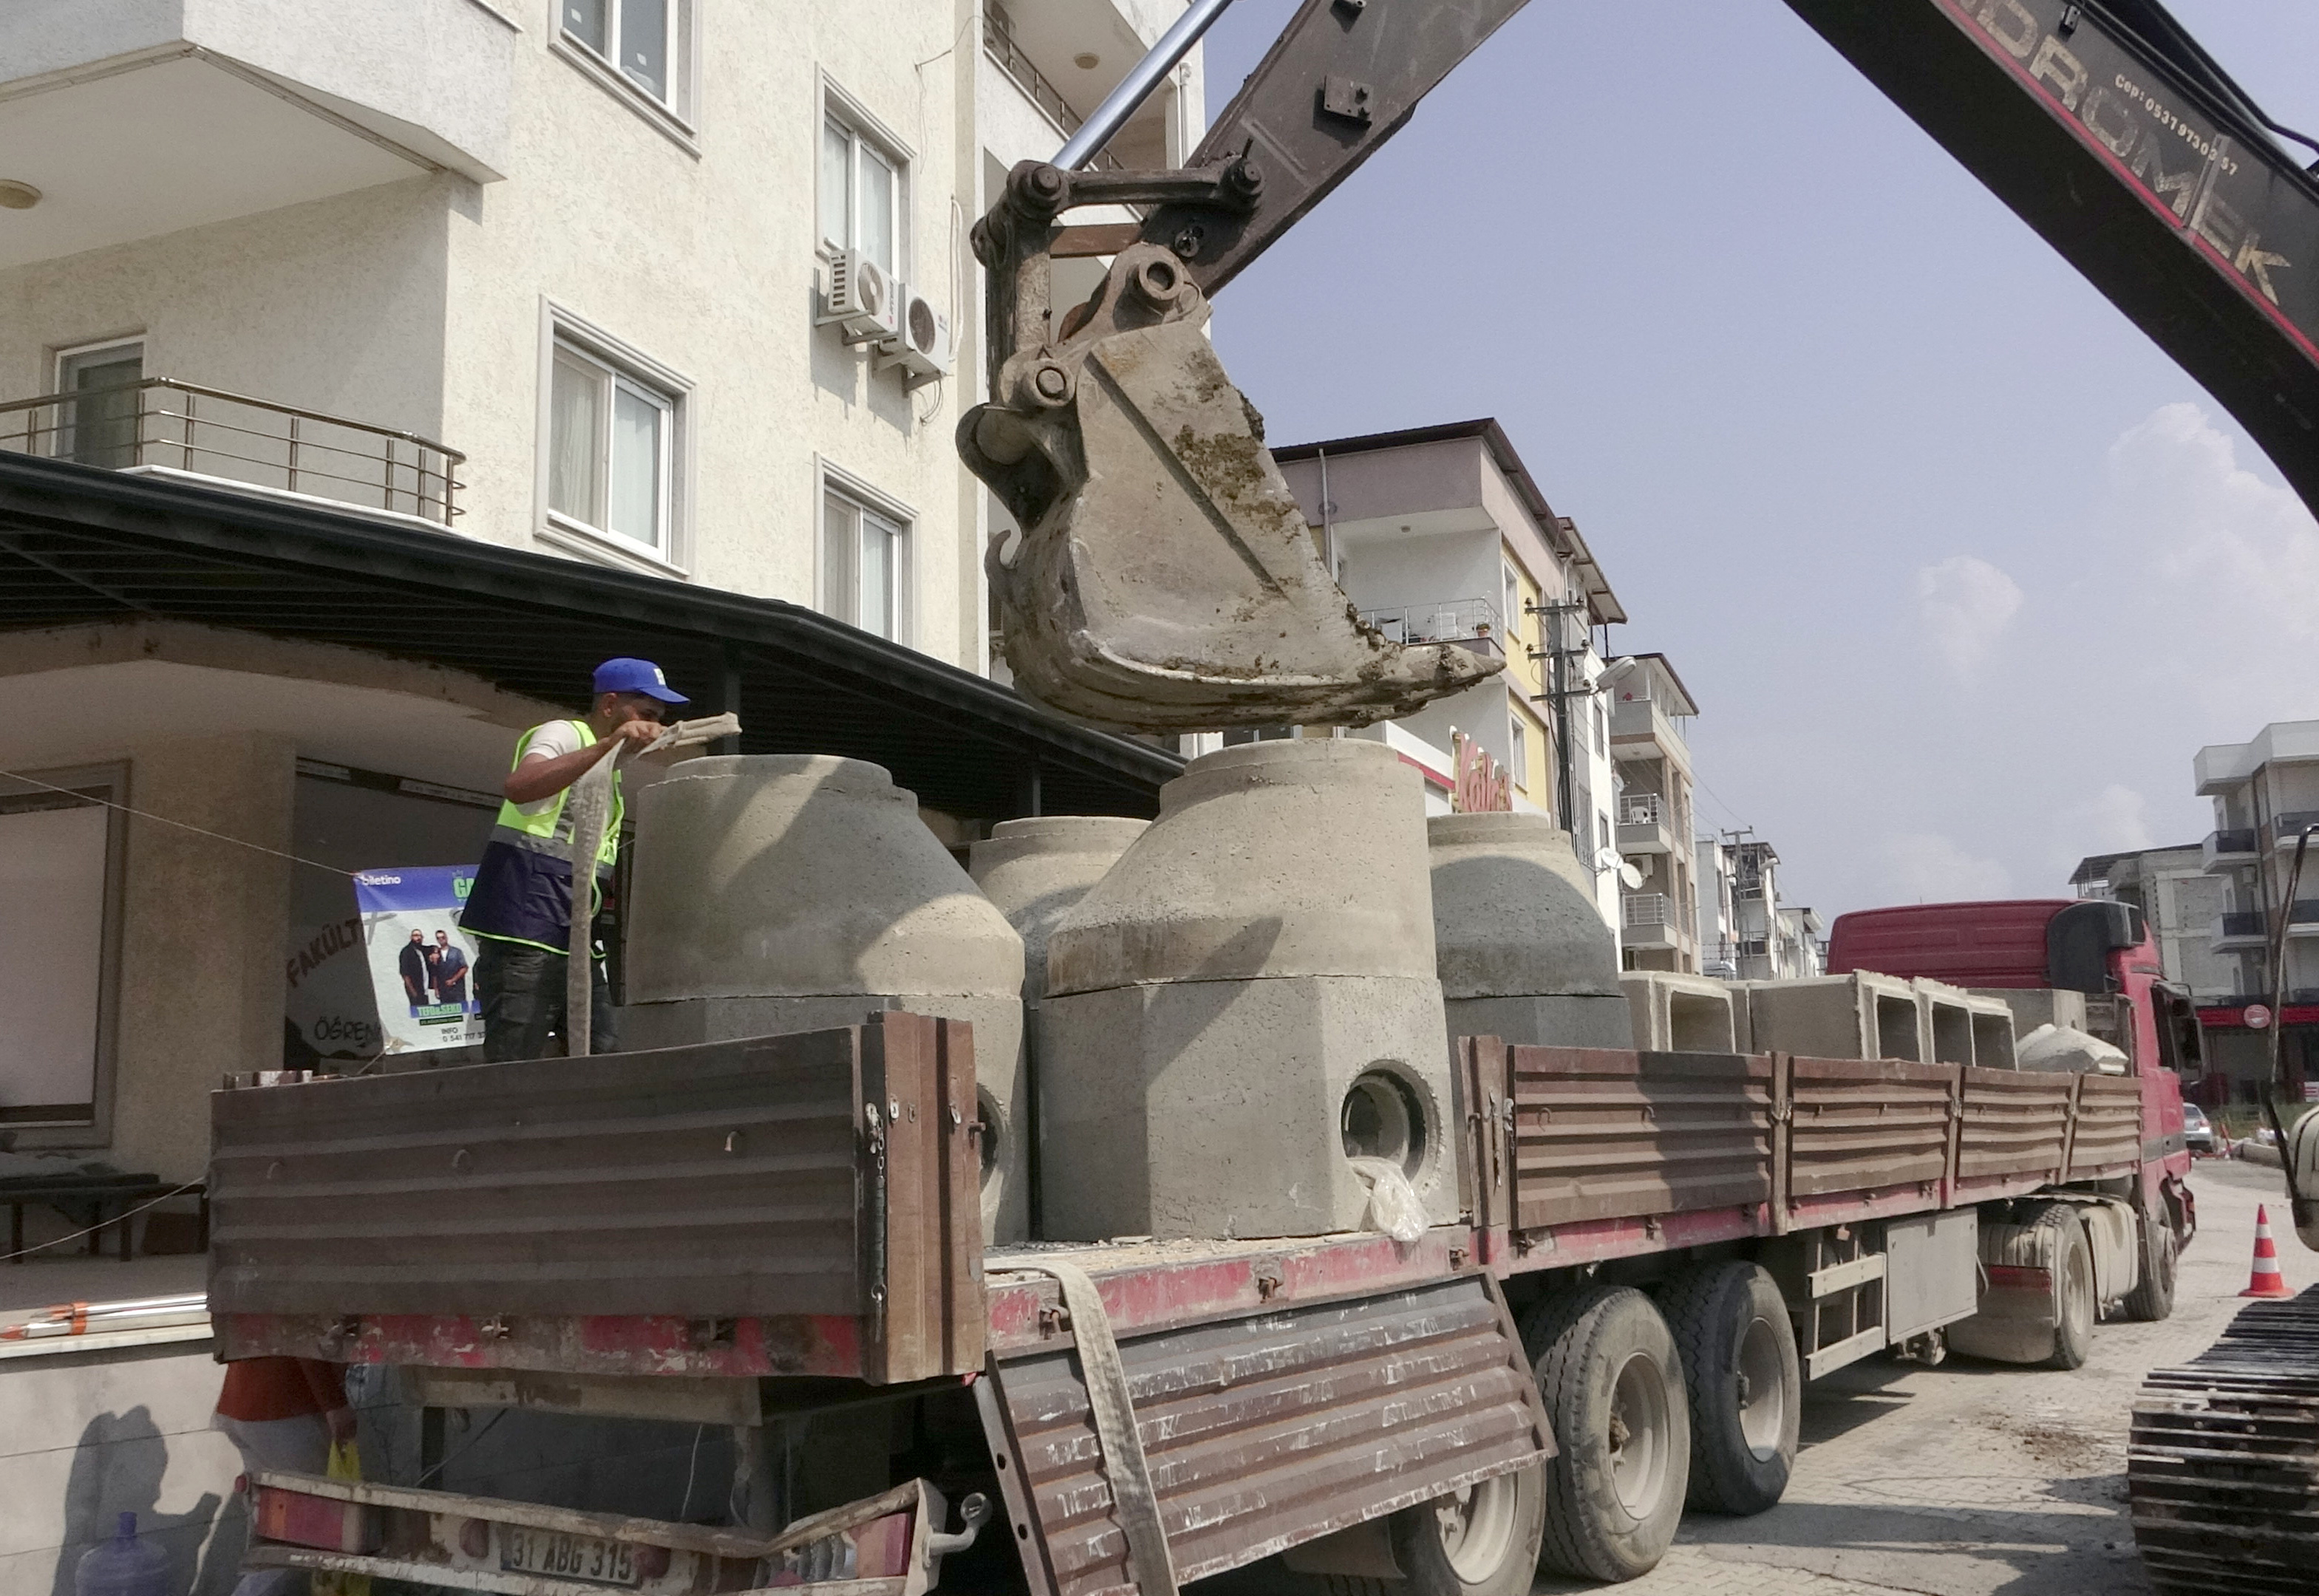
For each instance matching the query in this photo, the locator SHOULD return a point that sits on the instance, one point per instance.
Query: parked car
(2198, 1130)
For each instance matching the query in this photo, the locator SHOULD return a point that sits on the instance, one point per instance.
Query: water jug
(123, 1566)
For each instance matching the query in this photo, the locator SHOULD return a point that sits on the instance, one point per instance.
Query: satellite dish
(1628, 876)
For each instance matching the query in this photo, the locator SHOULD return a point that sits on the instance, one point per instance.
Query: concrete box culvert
(1859, 1016)
(794, 892)
(1212, 1000)
(1675, 1012)
(1522, 951)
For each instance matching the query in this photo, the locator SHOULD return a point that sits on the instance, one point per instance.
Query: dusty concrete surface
(1522, 954)
(1978, 1479)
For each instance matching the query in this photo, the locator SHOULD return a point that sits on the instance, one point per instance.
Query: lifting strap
(1133, 1499)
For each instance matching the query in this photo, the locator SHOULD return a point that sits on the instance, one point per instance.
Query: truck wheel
(1481, 1541)
(2152, 1296)
(1746, 1386)
(1613, 1388)
(2073, 1287)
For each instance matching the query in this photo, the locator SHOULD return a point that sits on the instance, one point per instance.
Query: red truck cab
(2096, 946)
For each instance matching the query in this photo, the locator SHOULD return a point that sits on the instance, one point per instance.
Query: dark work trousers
(521, 991)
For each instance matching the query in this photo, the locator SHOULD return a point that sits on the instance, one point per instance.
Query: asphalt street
(1977, 1479)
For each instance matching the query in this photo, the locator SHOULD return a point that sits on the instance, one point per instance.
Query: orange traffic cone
(2266, 1280)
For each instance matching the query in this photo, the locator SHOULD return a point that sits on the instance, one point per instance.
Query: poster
(422, 967)
(329, 1002)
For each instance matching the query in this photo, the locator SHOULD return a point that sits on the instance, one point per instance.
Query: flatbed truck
(1656, 1250)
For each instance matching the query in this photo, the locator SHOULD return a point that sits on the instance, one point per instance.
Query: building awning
(80, 545)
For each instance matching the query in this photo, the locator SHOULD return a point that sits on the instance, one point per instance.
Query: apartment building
(1746, 930)
(2266, 793)
(1441, 535)
(367, 373)
(1650, 711)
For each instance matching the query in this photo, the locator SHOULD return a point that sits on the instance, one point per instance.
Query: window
(637, 39)
(865, 567)
(610, 450)
(862, 202)
(61, 851)
(1514, 606)
(1520, 749)
(100, 430)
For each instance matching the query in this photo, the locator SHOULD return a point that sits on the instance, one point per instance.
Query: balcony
(2237, 928)
(999, 43)
(167, 427)
(1639, 729)
(1643, 824)
(1066, 55)
(1470, 623)
(132, 119)
(1648, 920)
(2289, 826)
(2224, 850)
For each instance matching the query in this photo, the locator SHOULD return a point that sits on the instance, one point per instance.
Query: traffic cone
(2266, 1280)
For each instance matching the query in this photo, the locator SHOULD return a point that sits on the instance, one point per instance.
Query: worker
(282, 1414)
(520, 904)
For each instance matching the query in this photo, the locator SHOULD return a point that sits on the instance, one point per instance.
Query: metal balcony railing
(1641, 809)
(999, 40)
(1643, 908)
(1471, 621)
(160, 421)
(2237, 840)
(2289, 826)
(2240, 923)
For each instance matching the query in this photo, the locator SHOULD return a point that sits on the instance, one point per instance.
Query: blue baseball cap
(637, 676)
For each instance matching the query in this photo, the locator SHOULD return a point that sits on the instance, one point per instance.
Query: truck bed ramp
(2222, 1462)
(1264, 1431)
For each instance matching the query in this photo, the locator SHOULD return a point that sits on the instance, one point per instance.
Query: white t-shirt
(551, 741)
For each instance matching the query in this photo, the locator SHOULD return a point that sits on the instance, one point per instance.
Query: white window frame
(673, 116)
(834, 479)
(1510, 584)
(839, 108)
(97, 1130)
(561, 329)
(1518, 746)
(64, 420)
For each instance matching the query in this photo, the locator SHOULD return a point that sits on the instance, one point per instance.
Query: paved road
(1975, 1479)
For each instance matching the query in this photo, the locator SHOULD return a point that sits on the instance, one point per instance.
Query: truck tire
(1481, 1541)
(2152, 1296)
(1743, 1380)
(2074, 1308)
(1613, 1383)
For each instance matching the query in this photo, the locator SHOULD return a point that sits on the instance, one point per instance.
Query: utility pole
(1558, 655)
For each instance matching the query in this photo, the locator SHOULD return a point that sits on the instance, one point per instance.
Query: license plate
(581, 1557)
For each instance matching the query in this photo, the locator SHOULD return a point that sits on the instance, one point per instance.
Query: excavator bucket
(1164, 579)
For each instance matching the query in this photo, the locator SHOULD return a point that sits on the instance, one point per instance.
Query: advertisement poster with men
(421, 967)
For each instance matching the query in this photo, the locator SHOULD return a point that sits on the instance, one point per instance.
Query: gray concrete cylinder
(1035, 871)
(1522, 951)
(1246, 1000)
(794, 892)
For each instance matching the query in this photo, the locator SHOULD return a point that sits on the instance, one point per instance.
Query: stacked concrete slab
(785, 893)
(1845, 1016)
(1035, 872)
(1245, 1002)
(1674, 1013)
(1523, 952)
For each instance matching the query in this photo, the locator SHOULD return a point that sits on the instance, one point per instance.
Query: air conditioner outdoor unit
(864, 301)
(921, 346)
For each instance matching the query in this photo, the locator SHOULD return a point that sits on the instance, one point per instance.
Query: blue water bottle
(123, 1566)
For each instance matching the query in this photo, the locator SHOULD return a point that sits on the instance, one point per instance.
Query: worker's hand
(639, 732)
(341, 1422)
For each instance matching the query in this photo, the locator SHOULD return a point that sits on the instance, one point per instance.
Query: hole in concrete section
(1952, 1034)
(1992, 1041)
(1896, 1027)
(994, 1130)
(1384, 1118)
(1698, 1024)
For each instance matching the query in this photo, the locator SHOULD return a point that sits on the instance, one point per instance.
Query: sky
(1961, 569)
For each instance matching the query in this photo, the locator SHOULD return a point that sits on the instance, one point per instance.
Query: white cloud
(1964, 604)
(2114, 820)
(1925, 867)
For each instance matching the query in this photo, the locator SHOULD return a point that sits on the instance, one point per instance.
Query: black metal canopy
(81, 544)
